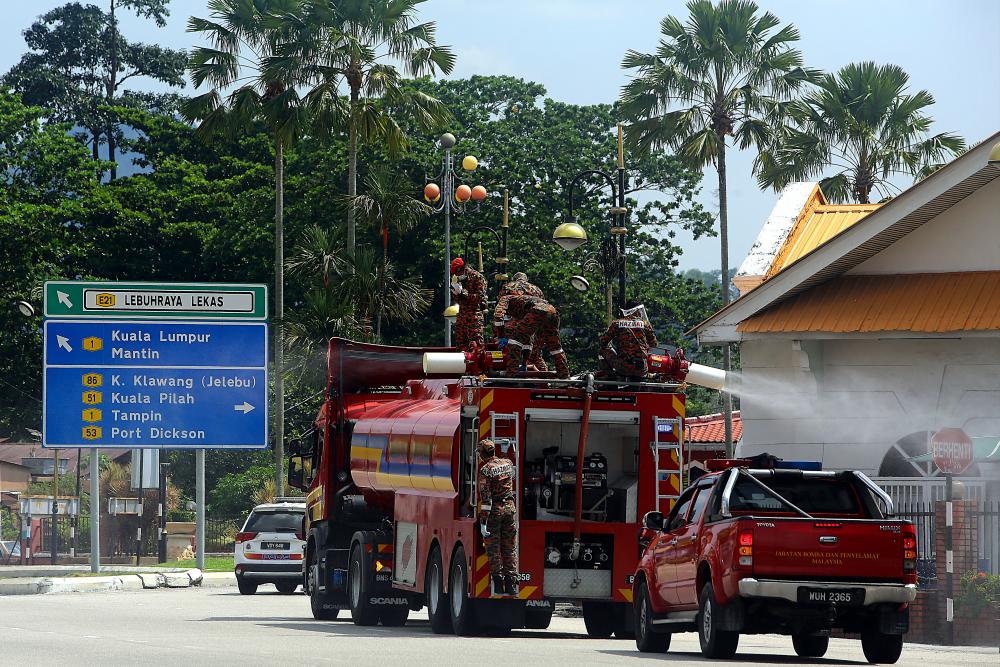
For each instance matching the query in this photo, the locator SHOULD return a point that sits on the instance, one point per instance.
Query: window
(274, 522)
(814, 496)
(700, 502)
(676, 519)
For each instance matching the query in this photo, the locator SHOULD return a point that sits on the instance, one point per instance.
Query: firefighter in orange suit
(469, 290)
(496, 477)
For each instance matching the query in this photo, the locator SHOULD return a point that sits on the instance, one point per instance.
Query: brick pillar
(964, 550)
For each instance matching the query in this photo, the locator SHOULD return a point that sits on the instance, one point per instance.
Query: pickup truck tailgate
(818, 549)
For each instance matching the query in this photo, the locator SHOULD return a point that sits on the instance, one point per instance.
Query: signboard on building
(952, 450)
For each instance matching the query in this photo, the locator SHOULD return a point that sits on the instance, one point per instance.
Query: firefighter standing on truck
(522, 321)
(519, 284)
(625, 345)
(497, 484)
(469, 289)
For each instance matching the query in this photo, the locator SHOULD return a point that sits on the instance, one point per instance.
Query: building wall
(848, 401)
(966, 237)
(13, 477)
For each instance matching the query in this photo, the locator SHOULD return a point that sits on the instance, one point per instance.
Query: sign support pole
(200, 511)
(949, 561)
(161, 548)
(54, 548)
(142, 499)
(95, 510)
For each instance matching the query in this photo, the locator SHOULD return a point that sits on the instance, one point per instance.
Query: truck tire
(624, 621)
(715, 642)
(437, 602)
(599, 617)
(286, 587)
(463, 612)
(363, 612)
(318, 603)
(810, 646)
(880, 647)
(538, 618)
(394, 617)
(246, 587)
(647, 639)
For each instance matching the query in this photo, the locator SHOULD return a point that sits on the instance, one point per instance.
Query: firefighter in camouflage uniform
(522, 320)
(519, 285)
(626, 343)
(469, 291)
(496, 481)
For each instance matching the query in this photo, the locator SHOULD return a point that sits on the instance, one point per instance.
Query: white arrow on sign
(245, 408)
(64, 343)
(64, 299)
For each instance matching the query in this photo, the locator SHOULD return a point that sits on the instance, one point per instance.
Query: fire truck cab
(394, 511)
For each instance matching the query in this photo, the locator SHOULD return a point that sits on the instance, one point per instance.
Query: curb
(125, 582)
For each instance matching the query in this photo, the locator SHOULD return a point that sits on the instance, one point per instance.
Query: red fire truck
(393, 519)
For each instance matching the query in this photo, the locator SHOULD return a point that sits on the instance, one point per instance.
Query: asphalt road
(220, 627)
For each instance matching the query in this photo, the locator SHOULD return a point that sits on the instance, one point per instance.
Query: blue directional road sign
(155, 384)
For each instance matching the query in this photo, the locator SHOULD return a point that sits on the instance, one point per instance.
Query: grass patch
(212, 564)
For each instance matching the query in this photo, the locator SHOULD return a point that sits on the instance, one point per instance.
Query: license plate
(842, 596)
(274, 545)
(276, 556)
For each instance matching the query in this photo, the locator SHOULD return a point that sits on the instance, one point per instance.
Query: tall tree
(352, 49)
(78, 61)
(387, 205)
(863, 125)
(724, 73)
(243, 36)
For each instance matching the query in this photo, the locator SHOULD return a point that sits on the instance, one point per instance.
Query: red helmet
(457, 265)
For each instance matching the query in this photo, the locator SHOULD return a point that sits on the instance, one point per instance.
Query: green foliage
(233, 494)
(862, 125)
(978, 592)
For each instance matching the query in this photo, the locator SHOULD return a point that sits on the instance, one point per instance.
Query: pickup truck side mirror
(653, 520)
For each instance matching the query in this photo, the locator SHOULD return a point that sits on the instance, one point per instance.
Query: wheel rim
(643, 611)
(458, 590)
(355, 584)
(313, 576)
(706, 620)
(434, 595)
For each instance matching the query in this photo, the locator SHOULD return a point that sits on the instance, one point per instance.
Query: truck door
(667, 550)
(686, 550)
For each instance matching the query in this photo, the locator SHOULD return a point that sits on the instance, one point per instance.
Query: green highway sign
(124, 300)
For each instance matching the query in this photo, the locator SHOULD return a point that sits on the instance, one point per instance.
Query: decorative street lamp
(500, 260)
(451, 196)
(611, 257)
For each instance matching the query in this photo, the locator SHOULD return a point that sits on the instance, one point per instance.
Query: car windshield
(274, 522)
(815, 496)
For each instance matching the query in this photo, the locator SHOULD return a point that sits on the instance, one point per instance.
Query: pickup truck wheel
(599, 617)
(358, 591)
(318, 603)
(880, 647)
(437, 601)
(646, 640)
(463, 613)
(715, 643)
(810, 646)
(286, 587)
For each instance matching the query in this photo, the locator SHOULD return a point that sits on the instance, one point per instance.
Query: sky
(574, 48)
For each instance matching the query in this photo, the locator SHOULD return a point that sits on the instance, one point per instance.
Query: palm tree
(387, 204)
(861, 123)
(350, 292)
(243, 34)
(724, 73)
(352, 52)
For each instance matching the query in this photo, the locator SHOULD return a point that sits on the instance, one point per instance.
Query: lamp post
(501, 260)
(611, 256)
(452, 195)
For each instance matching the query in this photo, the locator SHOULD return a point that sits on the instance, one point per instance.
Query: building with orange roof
(864, 329)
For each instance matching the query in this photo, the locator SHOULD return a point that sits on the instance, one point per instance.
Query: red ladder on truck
(668, 458)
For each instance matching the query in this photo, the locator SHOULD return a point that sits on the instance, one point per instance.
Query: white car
(269, 547)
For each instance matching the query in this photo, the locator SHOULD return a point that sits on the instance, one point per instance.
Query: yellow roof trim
(817, 223)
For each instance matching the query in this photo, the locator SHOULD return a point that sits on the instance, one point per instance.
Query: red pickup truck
(776, 550)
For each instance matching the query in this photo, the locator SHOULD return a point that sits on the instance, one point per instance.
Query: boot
(511, 588)
(499, 585)
(562, 367)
